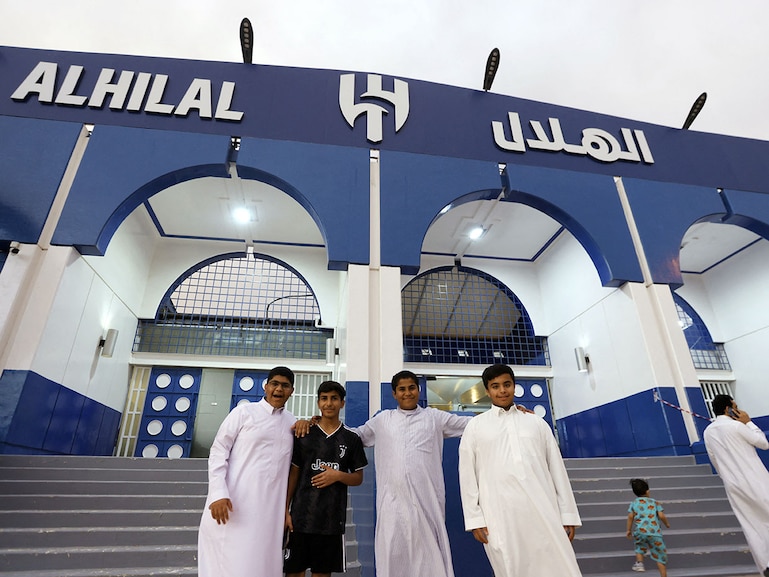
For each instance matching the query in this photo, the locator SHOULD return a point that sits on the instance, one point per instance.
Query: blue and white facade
(87, 139)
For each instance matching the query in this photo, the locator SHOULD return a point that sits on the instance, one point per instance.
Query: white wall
(732, 301)
(579, 312)
(83, 309)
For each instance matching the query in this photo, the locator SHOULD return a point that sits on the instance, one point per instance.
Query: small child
(643, 528)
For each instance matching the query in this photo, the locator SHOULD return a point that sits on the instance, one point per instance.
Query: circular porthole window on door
(162, 381)
(536, 390)
(175, 452)
(179, 428)
(159, 403)
(150, 451)
(186, 381)
(246, 384)
(154, 427)
(182, 404)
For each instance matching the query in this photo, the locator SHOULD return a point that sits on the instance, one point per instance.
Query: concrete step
(656, 483)
(672, 508)
(674, 538)
(726, 556)
(44, 537)
(65, 502)
(79, 462)
(29, 559)
(688, 521)
(661, 494)
(100, 518)
(613, 462)
(95, 474)
(630, 471)
(20, 487)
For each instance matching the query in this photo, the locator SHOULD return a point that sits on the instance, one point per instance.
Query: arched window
(705, 353)
(462, 315)
(237, 305)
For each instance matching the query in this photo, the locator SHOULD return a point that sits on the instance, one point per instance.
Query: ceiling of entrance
(203, 209)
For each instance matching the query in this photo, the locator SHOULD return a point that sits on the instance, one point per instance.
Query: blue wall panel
(64, 421)
(615, 418)
(414, 188)
(330, 182)
(588, 206)
(48, 418)
(356, 408)
(123, 167)
(663, 213)
(467, 554)
(633, 426)
(88, 428)
(11, 387)
(31, 166)
(34, 412)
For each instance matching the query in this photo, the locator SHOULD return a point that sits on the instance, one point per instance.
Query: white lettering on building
(399, 98)
(142, 91)
(596, 143)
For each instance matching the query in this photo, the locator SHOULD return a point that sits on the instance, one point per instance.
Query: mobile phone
(732, 413)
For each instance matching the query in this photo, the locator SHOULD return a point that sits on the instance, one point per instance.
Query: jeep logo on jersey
(399, 98)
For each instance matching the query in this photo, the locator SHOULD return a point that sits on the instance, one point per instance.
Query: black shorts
(318, 553)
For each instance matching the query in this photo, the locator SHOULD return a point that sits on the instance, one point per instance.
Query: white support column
(665, 343)
(30, 278)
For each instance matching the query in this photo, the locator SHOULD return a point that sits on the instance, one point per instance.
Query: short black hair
(399, 376)
(639, 486)
(331, 387)
(720, 404)
(495, 371)
(282, 372)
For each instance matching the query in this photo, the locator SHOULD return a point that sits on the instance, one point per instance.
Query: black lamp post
(247, 40)
(696, 107)
(492, 63)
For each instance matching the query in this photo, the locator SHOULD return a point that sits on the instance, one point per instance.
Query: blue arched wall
(33, 157)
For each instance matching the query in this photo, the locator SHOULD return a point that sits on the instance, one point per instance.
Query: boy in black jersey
(325, 462)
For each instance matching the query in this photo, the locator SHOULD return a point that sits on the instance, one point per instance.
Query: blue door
(169, 413)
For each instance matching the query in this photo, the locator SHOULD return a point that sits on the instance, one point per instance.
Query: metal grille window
(712, 388)
(237, 305)
(704, 352)
(461, 315)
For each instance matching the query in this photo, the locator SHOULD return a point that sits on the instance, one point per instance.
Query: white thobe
(248, 464)
(513, 482)
(411, 537)
(731, 446)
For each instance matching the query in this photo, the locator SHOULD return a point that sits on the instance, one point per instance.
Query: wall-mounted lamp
(331, 352)
(583, 361)
(107, 344)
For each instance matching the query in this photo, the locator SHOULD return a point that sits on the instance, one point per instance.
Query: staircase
(704, 539)
(67, 516)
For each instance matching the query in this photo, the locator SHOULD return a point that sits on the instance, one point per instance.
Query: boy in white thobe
(731, 441)
(411, 537)
(516, 496)
(241, 531)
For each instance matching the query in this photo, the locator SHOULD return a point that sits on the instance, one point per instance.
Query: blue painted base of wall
(39, 416)
(636, 426)
(363, 502)
(356, 403)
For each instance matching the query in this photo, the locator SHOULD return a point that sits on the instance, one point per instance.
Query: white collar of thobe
(502, 412)
(409, 413)
(269, 407)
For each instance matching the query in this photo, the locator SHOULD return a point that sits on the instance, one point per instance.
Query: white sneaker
(639, 566)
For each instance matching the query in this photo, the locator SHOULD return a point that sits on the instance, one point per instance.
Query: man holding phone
(731, 441)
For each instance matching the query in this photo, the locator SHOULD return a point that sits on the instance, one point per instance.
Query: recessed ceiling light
(241, 215)
(476, 233)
